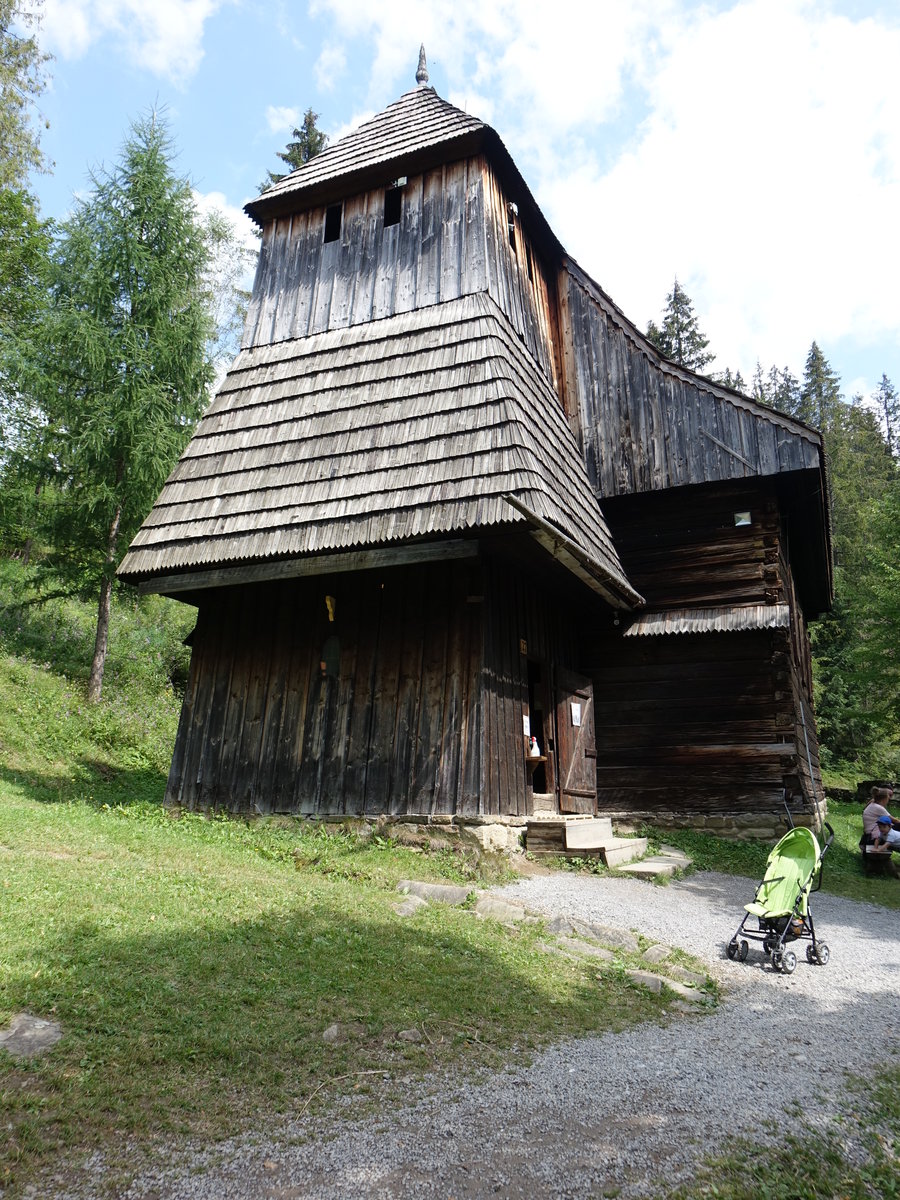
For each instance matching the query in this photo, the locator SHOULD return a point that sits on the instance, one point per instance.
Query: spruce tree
(679, 338)
(308, 141)
(887, 403)
(820, 392)
(126, 367)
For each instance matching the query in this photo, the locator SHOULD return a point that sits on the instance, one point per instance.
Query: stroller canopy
(789, 872)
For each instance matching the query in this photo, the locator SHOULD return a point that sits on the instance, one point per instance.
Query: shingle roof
(414, 427)
(419, 120)
(721, 619)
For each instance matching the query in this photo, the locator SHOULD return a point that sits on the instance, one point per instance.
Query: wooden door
(576, 747)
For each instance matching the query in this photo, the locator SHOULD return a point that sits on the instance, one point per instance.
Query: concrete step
(619, 851)
(588, 835)
(664, 865)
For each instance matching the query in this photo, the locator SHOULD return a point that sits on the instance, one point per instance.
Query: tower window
(332, 223)
(393, 206)
(528, 263)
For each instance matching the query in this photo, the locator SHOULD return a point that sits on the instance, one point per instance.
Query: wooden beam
(320, 564)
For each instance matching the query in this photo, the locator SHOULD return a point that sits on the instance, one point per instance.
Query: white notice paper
(576, 713)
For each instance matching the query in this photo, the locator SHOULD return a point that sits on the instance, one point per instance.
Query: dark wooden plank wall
(518, 606)
(643, 426)
(694, 722)
(452, 240)
(393, 725)
(683, 549)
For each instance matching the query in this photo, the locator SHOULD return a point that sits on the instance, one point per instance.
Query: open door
(576, 746)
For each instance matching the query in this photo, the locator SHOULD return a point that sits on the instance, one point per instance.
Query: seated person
(886, 837)
(874, 810)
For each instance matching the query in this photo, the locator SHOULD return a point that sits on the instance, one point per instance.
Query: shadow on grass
(91, 780)
(195, 1030)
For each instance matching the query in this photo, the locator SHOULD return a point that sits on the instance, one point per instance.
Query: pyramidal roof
(419, 122)
(416, 427)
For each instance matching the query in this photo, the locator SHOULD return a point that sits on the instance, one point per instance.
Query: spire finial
(422, 72)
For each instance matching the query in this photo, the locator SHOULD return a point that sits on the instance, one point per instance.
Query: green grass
(194, 965)
(807, 1163)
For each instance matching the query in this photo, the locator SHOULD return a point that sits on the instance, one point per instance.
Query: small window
(742, 518)
(528, 263)
(393, 205)
(332, 223)
(512, 211)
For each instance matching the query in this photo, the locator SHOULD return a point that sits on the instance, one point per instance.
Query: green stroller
(781, 904)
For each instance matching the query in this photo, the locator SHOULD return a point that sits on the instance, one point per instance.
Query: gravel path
(632, 1111)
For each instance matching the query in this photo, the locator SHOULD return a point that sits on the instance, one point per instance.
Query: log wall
(702, 725)
(453, 239)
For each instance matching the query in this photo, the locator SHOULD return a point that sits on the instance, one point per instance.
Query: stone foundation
(764, 825)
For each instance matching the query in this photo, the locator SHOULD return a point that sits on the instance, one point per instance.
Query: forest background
(115, 323)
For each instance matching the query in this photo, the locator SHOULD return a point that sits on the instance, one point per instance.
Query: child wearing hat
(886, 837)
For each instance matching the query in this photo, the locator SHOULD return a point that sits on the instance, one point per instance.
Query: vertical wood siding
(452, 240)
(643, 426)
(392, 725)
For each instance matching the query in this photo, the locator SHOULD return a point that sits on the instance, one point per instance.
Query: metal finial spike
(422, 72)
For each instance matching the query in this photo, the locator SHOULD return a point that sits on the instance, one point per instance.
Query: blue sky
(750, 148)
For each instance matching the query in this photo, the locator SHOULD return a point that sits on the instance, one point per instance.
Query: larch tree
(679, 337)
(309, 140)
(22, 79)
(126, 361)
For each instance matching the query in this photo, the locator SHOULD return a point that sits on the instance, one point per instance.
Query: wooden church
(449, 499)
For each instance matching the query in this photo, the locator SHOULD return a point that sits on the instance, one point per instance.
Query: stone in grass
(410, 905)
(499, 909)
(622, 939)
(338, 1033)
(410, 1035)
(657, 953)
(441, 893)
(685, 975)
(582, 949)
(27, 1036)
(646, 979)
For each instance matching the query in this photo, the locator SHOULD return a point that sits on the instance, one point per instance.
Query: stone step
(619, 851)
(588, 835)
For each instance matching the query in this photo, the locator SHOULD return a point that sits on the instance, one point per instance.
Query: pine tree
(126, 364)
(679, 338)
(733, 380)
(308, 141)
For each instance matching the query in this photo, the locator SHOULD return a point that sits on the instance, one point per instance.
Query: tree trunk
(101, 641)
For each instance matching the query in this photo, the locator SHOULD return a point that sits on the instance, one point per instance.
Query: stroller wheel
(744, 950)
(732, 948)
(811, 954)
(788, 964)
(822, 954)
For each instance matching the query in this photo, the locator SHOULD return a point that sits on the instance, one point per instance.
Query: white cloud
(752, 148)
(164, 37)
(280, 118)
(330, 65)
